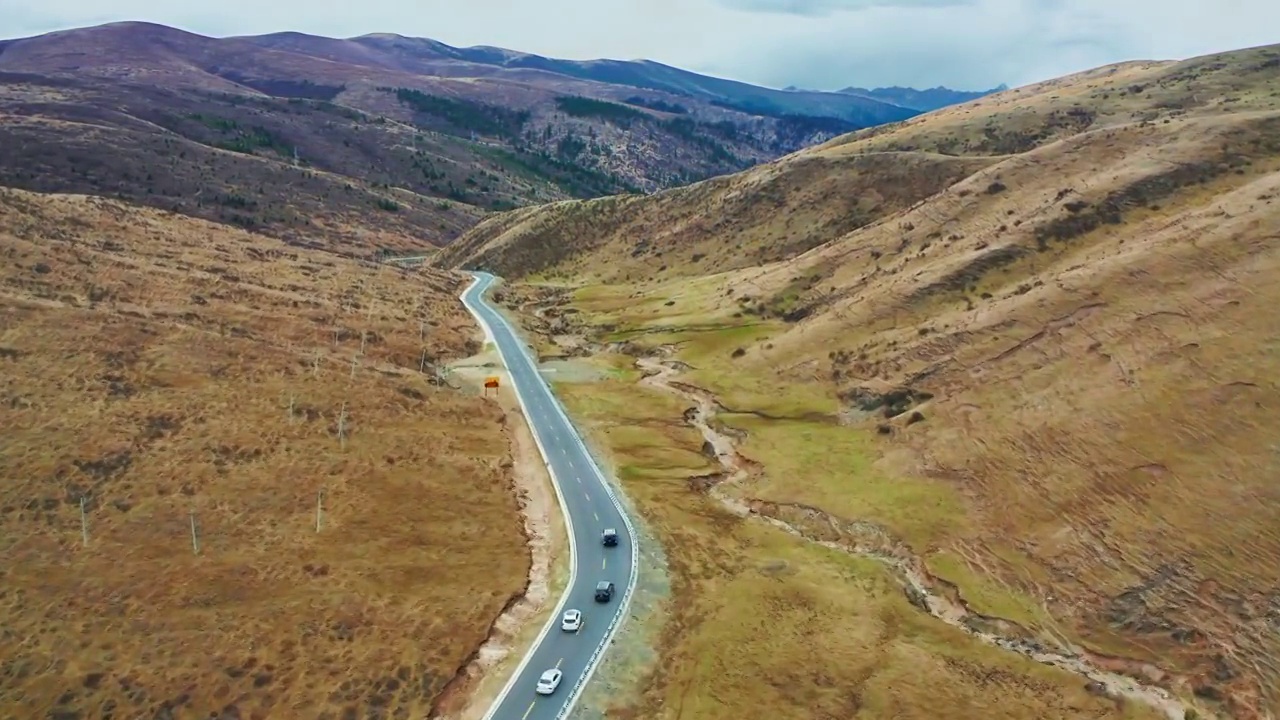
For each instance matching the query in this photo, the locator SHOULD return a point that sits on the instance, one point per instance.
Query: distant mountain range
(913, 99)
(222, 127)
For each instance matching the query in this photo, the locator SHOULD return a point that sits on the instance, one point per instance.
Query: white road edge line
(564, 508)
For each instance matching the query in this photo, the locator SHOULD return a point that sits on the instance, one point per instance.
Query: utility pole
(342, 426)
(84, 523)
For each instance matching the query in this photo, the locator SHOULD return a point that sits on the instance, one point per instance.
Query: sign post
(491, 383)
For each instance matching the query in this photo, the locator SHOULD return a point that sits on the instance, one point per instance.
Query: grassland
(167, 372)
(1048, 384)
(762, 619)
(1126, 510)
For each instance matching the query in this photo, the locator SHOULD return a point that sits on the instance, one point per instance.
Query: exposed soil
(1113, 677)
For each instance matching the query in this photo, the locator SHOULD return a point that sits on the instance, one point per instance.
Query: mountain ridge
(923, 100)
(393, 139)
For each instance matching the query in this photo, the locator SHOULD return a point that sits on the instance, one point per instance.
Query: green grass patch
(985, 595)
(641, 428)
(612, 297)
(718, 345)
(621, 368)
(830, 466)
(693, 302)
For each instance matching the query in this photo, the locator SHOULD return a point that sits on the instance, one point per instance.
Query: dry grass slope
(1052, 381)
(774, 211)
(357, 185)
(161, 369)
(766, 214)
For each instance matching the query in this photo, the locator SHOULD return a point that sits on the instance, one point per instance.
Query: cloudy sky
(821, 44)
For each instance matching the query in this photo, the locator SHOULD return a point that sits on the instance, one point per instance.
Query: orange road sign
(491, 381)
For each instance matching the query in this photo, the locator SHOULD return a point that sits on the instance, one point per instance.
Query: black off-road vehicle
(604, 591)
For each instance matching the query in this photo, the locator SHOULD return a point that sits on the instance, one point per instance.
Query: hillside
(1027, 368)
(819, 194)
(378, 141)
(164, 376)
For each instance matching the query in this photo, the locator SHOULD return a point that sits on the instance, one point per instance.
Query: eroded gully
(927, 592)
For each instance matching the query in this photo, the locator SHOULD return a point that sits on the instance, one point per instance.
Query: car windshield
(571, 615)
(548, 676)
(602, 586)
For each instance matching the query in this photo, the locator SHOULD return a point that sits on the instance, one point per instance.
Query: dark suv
(609, 537)
(604, 591)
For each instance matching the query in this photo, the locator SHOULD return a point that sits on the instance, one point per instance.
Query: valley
(923, 403)
(1016, 349)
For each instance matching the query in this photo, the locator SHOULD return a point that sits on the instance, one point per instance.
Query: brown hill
(833, 188)
(1048, 385)
(357, 184)
(168, 372)
(405, 141)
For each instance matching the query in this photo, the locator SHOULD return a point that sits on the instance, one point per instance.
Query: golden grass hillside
(777, 210)
(1104, 405)
(769, 213)
(1052, 382)
(167, 372)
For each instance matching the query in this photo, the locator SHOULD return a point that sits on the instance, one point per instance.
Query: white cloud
(967, 44)
(823, 8)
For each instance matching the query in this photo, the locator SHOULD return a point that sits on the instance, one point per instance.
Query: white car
(549, 681)
(572, 621)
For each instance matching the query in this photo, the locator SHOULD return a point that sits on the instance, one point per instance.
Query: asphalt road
(589, 507)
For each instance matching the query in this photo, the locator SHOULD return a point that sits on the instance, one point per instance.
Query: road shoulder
(516, 629)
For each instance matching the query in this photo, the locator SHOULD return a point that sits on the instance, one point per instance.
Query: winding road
(589, 506)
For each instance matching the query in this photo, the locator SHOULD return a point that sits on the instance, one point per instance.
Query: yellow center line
(526, 712)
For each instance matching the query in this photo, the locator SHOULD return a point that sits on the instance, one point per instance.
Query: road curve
(589, 506)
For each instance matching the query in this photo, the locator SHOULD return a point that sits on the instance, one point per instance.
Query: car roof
(573, 611)
(611, 531)
(548, 674)
(603, 584)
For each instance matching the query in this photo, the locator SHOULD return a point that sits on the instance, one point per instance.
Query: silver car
(572, 621)
(549, 681)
